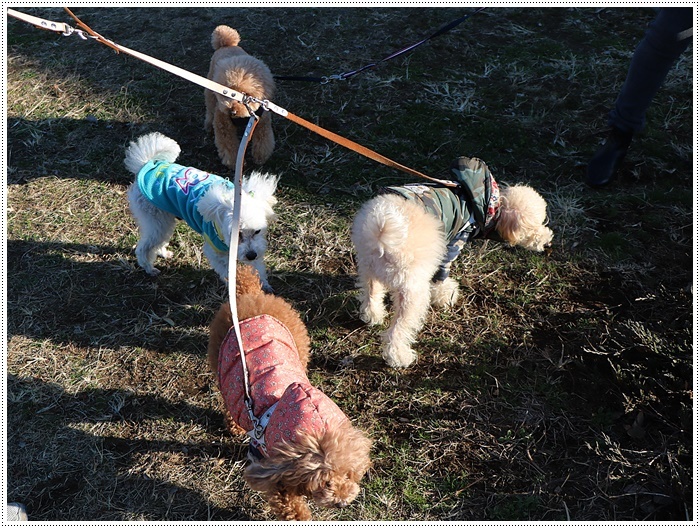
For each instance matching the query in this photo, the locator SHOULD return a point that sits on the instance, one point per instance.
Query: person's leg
(655, 55)
(652, 60)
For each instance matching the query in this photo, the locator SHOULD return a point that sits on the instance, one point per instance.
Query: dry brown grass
(559, 388)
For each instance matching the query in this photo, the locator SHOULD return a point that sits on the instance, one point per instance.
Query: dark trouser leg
(653, 59)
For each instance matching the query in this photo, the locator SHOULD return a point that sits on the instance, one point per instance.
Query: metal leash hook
(247, 99)
(336, 77)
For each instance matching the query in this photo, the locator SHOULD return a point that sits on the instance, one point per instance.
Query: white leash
(59, 27)
(258, 431)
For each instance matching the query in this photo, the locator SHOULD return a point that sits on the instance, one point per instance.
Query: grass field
(559, 388)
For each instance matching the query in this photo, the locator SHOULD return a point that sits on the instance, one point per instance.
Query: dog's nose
(251, 255)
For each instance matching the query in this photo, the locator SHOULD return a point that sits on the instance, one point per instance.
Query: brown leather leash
(65, 29)
(363, 150)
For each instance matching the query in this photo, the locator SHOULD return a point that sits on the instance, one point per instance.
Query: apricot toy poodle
(305, 446)
(232, 67)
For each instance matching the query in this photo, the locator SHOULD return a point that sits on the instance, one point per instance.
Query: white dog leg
(410, 309)
(372, 309)
(217, 260)
(444, 293)
(156, 227)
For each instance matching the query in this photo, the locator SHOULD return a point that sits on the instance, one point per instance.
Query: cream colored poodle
(407, 238)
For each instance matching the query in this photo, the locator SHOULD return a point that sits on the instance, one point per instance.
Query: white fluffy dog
(164, 191)
(406, 239)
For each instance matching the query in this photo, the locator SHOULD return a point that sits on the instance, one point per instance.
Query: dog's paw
(148, 267)
(400, 356)
(371, 318)
(152, 271)
(267, 288)
(228, 159)
(261, 151)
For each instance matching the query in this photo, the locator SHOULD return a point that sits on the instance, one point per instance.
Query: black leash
(347, 75)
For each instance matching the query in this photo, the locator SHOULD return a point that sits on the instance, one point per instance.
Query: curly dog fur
(157, 225)
(326, 470)
(231, 66)
(399, 248)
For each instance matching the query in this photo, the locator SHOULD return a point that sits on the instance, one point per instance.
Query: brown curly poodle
(309, 448)
(231, 66)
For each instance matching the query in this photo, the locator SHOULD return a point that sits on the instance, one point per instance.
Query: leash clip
(258, 429)
(246, 102)
(336, 77)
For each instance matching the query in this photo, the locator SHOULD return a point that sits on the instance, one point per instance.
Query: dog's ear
(261, 186)
(291, 465)
(508, 223)
(216, 204)
(291, 472)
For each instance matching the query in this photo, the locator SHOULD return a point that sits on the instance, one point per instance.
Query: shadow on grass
(91, 295)
(96, 296)
(93, 149)
(56, 467)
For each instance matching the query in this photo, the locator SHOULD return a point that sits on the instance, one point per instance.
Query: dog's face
(234, 109)
(256, 212)
(247, 75)
(328, 470)
(336, 489)
(335, 467)
(252, 243)
(257, 200)
(523, 218)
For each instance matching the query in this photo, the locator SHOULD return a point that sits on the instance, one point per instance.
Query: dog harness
(178, 190)
(282, 395)
(467, 212)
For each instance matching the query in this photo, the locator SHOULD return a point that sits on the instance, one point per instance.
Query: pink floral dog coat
(276, 377)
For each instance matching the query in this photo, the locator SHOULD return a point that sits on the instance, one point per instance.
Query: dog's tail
(151, 147)
(224, 36)
(384, 223)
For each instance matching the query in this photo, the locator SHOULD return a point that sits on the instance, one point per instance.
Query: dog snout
(251, 255)
(238, 110)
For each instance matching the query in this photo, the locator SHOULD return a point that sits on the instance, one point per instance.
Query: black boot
(603, 165)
